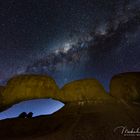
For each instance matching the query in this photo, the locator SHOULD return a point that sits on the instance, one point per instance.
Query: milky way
(109, 48)
(70, 39)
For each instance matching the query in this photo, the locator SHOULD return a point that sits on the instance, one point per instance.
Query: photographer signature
(125, 131)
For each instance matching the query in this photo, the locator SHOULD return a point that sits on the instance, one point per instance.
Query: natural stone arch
(38, 107)
(26, 87)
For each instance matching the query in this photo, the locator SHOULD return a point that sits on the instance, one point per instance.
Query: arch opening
(37, 107)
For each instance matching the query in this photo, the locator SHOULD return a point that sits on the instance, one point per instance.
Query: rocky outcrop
(22, 115)
(89, 112)
(26, 87)
(126, 86)
(83, 90)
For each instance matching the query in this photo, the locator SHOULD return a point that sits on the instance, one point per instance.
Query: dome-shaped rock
(86, 89)
(126, 86)
(25, 87)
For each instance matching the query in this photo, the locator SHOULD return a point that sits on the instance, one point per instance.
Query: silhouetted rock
(90, 121)
(30, 115)
(23, 115)
(126, 86)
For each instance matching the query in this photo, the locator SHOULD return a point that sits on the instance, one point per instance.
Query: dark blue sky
(69, 39)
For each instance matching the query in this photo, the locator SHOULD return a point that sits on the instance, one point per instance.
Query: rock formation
(22, 115)
(126, 86)
(30, 115)
(26, 87)
(89, 113)
(83, 90)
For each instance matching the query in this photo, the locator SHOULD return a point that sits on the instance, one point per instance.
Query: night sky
(69, 39)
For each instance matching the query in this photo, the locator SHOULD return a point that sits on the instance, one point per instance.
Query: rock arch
(27, 87)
